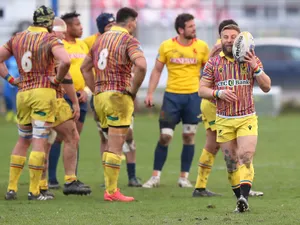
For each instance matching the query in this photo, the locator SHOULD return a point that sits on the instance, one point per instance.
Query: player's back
(32, 49)
(112, 54)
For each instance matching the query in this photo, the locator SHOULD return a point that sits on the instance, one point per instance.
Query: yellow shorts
(36, 104)
(208, 110)
(230, 128)
(113, 109)
(63, 112)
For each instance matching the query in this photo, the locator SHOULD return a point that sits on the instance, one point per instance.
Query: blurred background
(273, 23)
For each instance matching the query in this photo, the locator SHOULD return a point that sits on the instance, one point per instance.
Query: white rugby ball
(243, 43)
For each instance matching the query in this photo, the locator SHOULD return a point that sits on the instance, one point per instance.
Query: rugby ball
(243, 43)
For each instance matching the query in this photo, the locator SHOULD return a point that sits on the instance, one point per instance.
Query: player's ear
(180, 30)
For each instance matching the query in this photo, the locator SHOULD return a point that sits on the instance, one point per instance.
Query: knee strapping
(129, 146)
(27, 134)
(190, 128)
(167, 131)
(40, 129)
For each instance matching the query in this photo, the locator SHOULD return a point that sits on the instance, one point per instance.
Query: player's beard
(226, 51)
(189, 37)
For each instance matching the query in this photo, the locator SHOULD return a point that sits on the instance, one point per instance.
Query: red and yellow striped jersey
(32, 49)
(113, 55)
(226, 73)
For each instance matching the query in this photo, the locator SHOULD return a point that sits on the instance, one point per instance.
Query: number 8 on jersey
(102, 62)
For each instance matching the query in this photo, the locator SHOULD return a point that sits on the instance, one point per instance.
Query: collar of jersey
(228, 58)
(118, 28)
(37, 29)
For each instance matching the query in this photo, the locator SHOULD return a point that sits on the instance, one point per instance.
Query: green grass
(276, 167)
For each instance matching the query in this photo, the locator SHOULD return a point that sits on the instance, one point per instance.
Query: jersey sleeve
(208, 72)
(134, 49)
(54, 41)
(161, 54)
(8, 45)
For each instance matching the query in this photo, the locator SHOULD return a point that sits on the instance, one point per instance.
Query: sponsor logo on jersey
(188, 61)
(232, 82)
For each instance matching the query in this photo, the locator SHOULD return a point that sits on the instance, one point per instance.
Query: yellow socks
(246, 179)
(206, 161)
(43, 184)
(16, 166)
(70, 178)
(234, 180)
(103, 166)
(111, 171)
(36, 166)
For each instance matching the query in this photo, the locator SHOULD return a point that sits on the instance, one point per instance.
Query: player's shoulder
(200, 42)
(169, 42)
(80, 42)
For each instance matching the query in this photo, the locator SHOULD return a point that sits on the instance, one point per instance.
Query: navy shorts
(179, 107)
(82, 105)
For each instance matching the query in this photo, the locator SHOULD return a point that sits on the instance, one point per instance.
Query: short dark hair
(225, 23)
(69, 16)
(125, 13)
(181, 19)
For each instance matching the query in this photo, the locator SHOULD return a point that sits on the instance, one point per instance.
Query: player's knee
(231, 163)
(166, 135)
(246, 158)
(212, 147)
(188, 139)
(72, 136)
(188, 135)
(165, 139)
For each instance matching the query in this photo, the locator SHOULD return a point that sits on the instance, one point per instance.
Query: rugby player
(104, 22)
(65, 126)
(211, 148)
(34, 50)
(112, 56)
(231, 84)
(184, 57)
(77, 50)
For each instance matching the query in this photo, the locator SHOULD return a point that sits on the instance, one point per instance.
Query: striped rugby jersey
(226, 73)
(113, 55)
(32, 49)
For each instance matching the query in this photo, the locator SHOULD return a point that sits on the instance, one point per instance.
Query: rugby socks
(246, 178)
(16, 166)
(160, 156)
(43, 184)
(234, 179)
(187, 156)
(103, 165)
(131, 170)
(206, 162)
(36, 166)
(70, 178)
(53, 161)
(112, 171)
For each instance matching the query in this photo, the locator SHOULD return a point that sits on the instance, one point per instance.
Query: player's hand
(16, 82)
(76, 111)
(250, 58)
(52, 80)
(227, 95)
(83, 96)
(149, 101)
